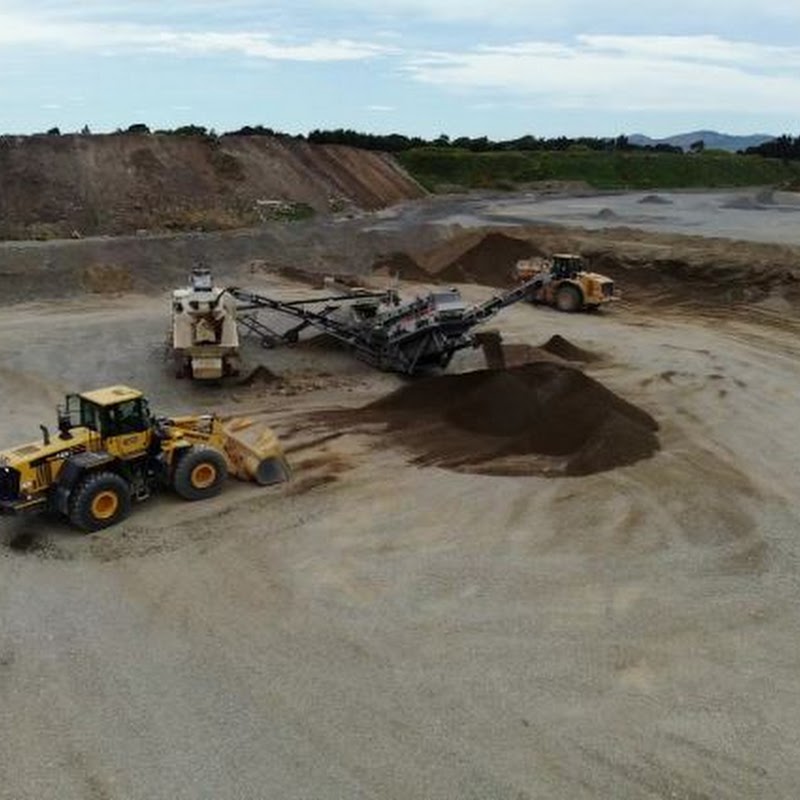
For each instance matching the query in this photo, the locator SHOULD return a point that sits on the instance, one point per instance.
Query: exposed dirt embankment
(59, 186)
(155, 263)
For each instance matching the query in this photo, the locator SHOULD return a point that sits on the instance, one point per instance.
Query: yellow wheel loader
(110, 451)
(566, 284)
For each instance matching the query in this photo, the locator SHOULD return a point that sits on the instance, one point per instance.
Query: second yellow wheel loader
(565, 283)
(110, 451)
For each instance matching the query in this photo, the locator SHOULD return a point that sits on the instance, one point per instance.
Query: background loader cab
(566, 265)
(566, 284)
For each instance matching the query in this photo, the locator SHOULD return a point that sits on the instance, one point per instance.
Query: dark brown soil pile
(556, 349)
(656, 199)
(515, 355)
(260, 376)
(540, 418)
(401, 265)
(490, 262)
(742, 203)
(563, 348)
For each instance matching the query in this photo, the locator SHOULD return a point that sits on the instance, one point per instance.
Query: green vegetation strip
(439, 168)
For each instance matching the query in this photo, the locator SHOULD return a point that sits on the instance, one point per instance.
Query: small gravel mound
(563, 348)
(490, 261)
(656, 199)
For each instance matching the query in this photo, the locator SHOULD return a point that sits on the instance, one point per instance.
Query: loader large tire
(101, 499)
(200, 473)
(569, 298)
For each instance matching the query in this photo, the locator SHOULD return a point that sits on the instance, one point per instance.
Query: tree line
(395, 143)
(783, 147)
(398, 143)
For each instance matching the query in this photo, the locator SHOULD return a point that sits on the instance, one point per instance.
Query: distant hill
(711, 139)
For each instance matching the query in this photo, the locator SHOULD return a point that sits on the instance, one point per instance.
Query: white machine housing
(205, 338)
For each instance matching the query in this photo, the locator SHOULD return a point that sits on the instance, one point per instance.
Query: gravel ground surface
(380, 629)
(750, 215)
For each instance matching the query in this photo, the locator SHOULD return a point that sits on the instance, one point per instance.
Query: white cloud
(626, 73)
(452, 10)
(534, 15)
(380, 108)
(260, 46)
(708, 48)
(538, 13)
(21, 30)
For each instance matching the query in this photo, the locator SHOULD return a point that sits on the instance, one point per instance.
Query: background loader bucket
(254, 452)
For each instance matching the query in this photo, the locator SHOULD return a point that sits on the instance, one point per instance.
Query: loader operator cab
(111, 412)
(566, 265)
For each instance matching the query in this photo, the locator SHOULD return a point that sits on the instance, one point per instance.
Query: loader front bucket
(254, 452)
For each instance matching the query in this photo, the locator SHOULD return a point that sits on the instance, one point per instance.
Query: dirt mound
(540, 418)
(656, 199)
(400, 265)
(490, 261)
(260, 376)
(563, 348)
(743, 203)
(515, 355)
(766, 197)
(557, 350)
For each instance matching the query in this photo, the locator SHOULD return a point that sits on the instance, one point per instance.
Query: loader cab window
(566, 266)
(132, 416)
(90, 416)
(128, 417)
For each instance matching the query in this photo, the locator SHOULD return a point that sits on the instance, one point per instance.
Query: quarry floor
(376, 629)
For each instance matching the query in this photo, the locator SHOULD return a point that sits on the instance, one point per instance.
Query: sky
(496, 68)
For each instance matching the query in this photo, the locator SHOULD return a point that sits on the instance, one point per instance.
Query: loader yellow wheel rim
(203, 475)
(105, 505)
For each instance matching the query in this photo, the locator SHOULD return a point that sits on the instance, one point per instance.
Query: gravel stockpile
(537, 418)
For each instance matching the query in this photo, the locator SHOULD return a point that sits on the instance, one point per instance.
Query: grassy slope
(437, 167)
